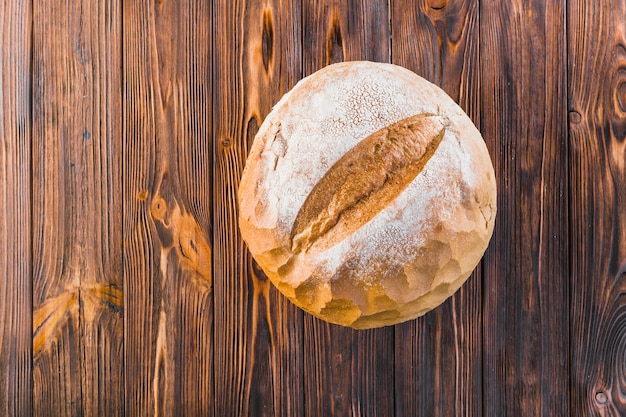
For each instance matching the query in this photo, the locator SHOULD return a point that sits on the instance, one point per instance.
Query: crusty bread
(368, 196)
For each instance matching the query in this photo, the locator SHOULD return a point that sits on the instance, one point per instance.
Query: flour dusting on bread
(379, 251)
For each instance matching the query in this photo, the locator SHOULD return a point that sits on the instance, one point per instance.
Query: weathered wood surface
(15, 209)
(258, 336)
(526, 272)
(125, 288)
(167, 215)
(77, 298)
(597, 126)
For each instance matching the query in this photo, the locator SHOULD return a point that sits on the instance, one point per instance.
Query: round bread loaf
(368, 196)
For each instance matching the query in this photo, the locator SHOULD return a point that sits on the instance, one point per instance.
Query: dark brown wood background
(125, 288)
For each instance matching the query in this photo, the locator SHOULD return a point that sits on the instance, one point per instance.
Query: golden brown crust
(368, 196)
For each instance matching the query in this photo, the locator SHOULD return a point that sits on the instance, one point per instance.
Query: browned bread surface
(368, 196)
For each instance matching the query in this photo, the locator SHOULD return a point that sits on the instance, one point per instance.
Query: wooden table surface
(125, 288)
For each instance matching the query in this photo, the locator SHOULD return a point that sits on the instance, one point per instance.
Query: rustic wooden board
(597, 119)
(258, 334)
(438, 356)
(125, 288)
(167, 211)
(526, 271)
(76, 191)
(15, 209)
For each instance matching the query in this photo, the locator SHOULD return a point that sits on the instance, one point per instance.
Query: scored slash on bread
(365, 181)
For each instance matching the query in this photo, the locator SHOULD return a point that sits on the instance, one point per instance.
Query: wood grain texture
(438, 356)
(523, 110)
(347, 372)
(258, 334)
(15, 210)
(125, 288)
(336, 31)
(597, 119)
(167, 211)
(77, 268)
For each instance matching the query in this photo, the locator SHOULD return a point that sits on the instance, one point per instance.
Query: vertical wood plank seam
(567, 185)
(31, 191)
(390, 23)
(211, 231)
(482, 261)
(79, 295)
(124, 129)
(536, 264)
(212, 215)
(124, 122)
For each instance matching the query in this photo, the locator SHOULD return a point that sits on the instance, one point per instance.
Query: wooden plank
(167, 208)
(336, 31)
(258, 333)
(597, 120)
(15, 209)
(347, 372)
(77, 269)
(526, 274)
(438, 357)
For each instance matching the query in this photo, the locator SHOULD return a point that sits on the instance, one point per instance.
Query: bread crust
(357, 238)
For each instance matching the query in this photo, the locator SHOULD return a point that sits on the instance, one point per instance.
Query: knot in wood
(142, 195)
(574, 117)
(437, 4)
(158, 208)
